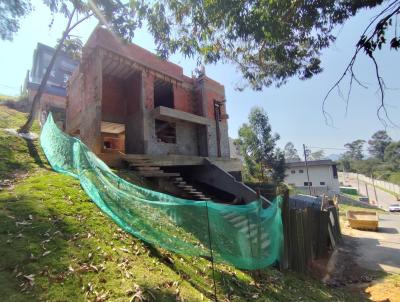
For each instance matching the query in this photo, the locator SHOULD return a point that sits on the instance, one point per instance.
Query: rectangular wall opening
(163, 94)
(165, 132)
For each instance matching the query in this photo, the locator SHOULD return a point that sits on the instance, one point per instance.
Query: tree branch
(367, 44)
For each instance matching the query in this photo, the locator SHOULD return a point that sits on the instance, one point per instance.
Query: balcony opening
(163, 94)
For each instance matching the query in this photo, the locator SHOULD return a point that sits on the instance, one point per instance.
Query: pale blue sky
(294, 109)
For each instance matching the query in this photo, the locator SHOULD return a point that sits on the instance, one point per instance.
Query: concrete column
(134, 136)
(203, 131)
(91, 111)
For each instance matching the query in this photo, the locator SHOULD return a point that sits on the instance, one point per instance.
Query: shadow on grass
(33, 152)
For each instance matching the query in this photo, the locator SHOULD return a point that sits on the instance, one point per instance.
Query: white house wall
(317, 175)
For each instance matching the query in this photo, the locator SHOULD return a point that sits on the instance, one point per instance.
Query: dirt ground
(369, 261)
(379, 250)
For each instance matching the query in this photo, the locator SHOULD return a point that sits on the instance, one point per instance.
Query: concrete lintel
(170, 114)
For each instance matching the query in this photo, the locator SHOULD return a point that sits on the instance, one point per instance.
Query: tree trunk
(36, 100)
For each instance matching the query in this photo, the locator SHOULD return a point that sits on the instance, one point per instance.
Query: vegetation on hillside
(56, 245)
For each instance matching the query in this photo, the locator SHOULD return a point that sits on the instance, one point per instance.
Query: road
(382, 198)
(378, 250)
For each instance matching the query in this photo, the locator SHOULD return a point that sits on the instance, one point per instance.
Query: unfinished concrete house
(132, 108)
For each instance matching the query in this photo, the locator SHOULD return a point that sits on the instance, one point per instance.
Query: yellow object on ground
(363, 220)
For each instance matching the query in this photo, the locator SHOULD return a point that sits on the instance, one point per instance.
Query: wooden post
(285, 258)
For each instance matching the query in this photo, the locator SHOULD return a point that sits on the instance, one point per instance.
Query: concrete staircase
(146, 168)
(150, 171)
(189, 189)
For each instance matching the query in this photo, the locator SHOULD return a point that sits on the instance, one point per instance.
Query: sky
(294, 109)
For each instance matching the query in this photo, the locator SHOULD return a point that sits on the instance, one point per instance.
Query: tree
(269, 41)
(354, 149)
(257, 144)
(112, 13)
(344, 163)
(10, 14)
(378, 143)
(317, 155)
(291, 153)
(392, 154)
(73, 47)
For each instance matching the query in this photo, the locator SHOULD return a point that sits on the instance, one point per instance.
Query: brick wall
(48, 100)
(114, 99)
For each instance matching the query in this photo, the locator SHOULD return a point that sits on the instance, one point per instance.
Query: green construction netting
(245, 236)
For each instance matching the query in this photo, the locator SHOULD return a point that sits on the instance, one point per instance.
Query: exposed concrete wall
(208, 91)
(186, 139)
(212, 139)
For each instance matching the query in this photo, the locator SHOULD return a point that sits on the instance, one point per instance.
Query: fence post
(285, 211)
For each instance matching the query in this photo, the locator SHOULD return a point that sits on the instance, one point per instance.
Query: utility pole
(366, 189)
(373, 184)
(308, 175)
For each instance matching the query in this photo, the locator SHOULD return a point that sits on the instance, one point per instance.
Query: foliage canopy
(263, 161)
(269, 41)
(378, 143)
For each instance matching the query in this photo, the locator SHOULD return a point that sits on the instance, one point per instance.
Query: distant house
(322, 174)
(54, 97)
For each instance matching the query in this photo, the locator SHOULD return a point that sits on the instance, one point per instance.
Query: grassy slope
(56, 245)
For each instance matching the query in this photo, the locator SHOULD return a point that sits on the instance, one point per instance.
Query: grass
(56, 245)
(351, 203)
(5, 98)
(388, 191)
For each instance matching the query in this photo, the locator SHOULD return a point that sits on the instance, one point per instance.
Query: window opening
(163, 94)
(165, 132)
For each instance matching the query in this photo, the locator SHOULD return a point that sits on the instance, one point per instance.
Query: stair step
(180, 183)
(157, 174)
(197, 193)
(185, 187)
(147, 168)
(141, 164)
(179, 179)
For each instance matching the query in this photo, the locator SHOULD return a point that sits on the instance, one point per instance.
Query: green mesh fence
(245, 236)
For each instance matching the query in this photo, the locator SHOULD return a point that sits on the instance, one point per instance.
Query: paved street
(378, 250)
(382, 198)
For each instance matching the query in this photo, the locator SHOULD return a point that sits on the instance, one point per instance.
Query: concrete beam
(169, 114)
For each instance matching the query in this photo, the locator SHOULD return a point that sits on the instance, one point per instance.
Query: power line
(333, 148)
